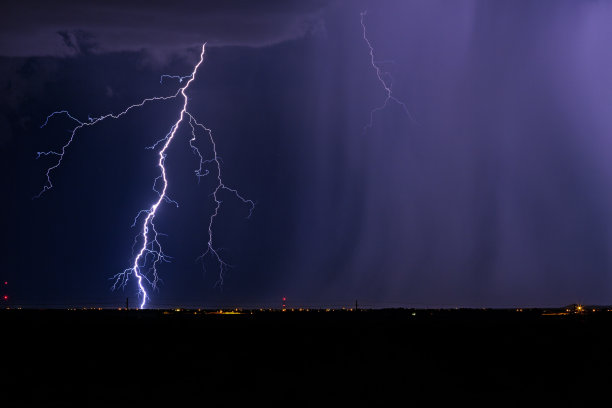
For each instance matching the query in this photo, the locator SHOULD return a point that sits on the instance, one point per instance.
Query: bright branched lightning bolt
(150, 254)
(381, 75)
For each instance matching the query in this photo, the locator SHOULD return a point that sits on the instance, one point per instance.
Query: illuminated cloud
(69, 27)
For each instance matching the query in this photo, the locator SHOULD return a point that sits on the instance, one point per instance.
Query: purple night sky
(498, 193)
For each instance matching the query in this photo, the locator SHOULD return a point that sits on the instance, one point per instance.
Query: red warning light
(284, 299)
(5, 297)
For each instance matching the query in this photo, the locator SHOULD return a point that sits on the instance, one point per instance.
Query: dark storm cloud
(60, 28)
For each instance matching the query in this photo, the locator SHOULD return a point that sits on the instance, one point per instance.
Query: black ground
(414, 357)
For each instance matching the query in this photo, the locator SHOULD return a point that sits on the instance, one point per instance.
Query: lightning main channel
(150, 253)
(381, 75)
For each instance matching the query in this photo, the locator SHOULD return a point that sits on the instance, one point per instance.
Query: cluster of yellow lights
(229, 312)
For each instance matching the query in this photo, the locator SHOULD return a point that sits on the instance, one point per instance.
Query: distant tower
(284, 303)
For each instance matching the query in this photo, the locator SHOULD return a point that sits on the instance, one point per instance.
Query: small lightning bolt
(381, 75)
(180, 78)
(210, 249)
(150, 253)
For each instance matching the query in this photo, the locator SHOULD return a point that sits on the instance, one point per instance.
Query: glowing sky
(496, 194)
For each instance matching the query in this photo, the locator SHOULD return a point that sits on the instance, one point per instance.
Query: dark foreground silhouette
(368, 357)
